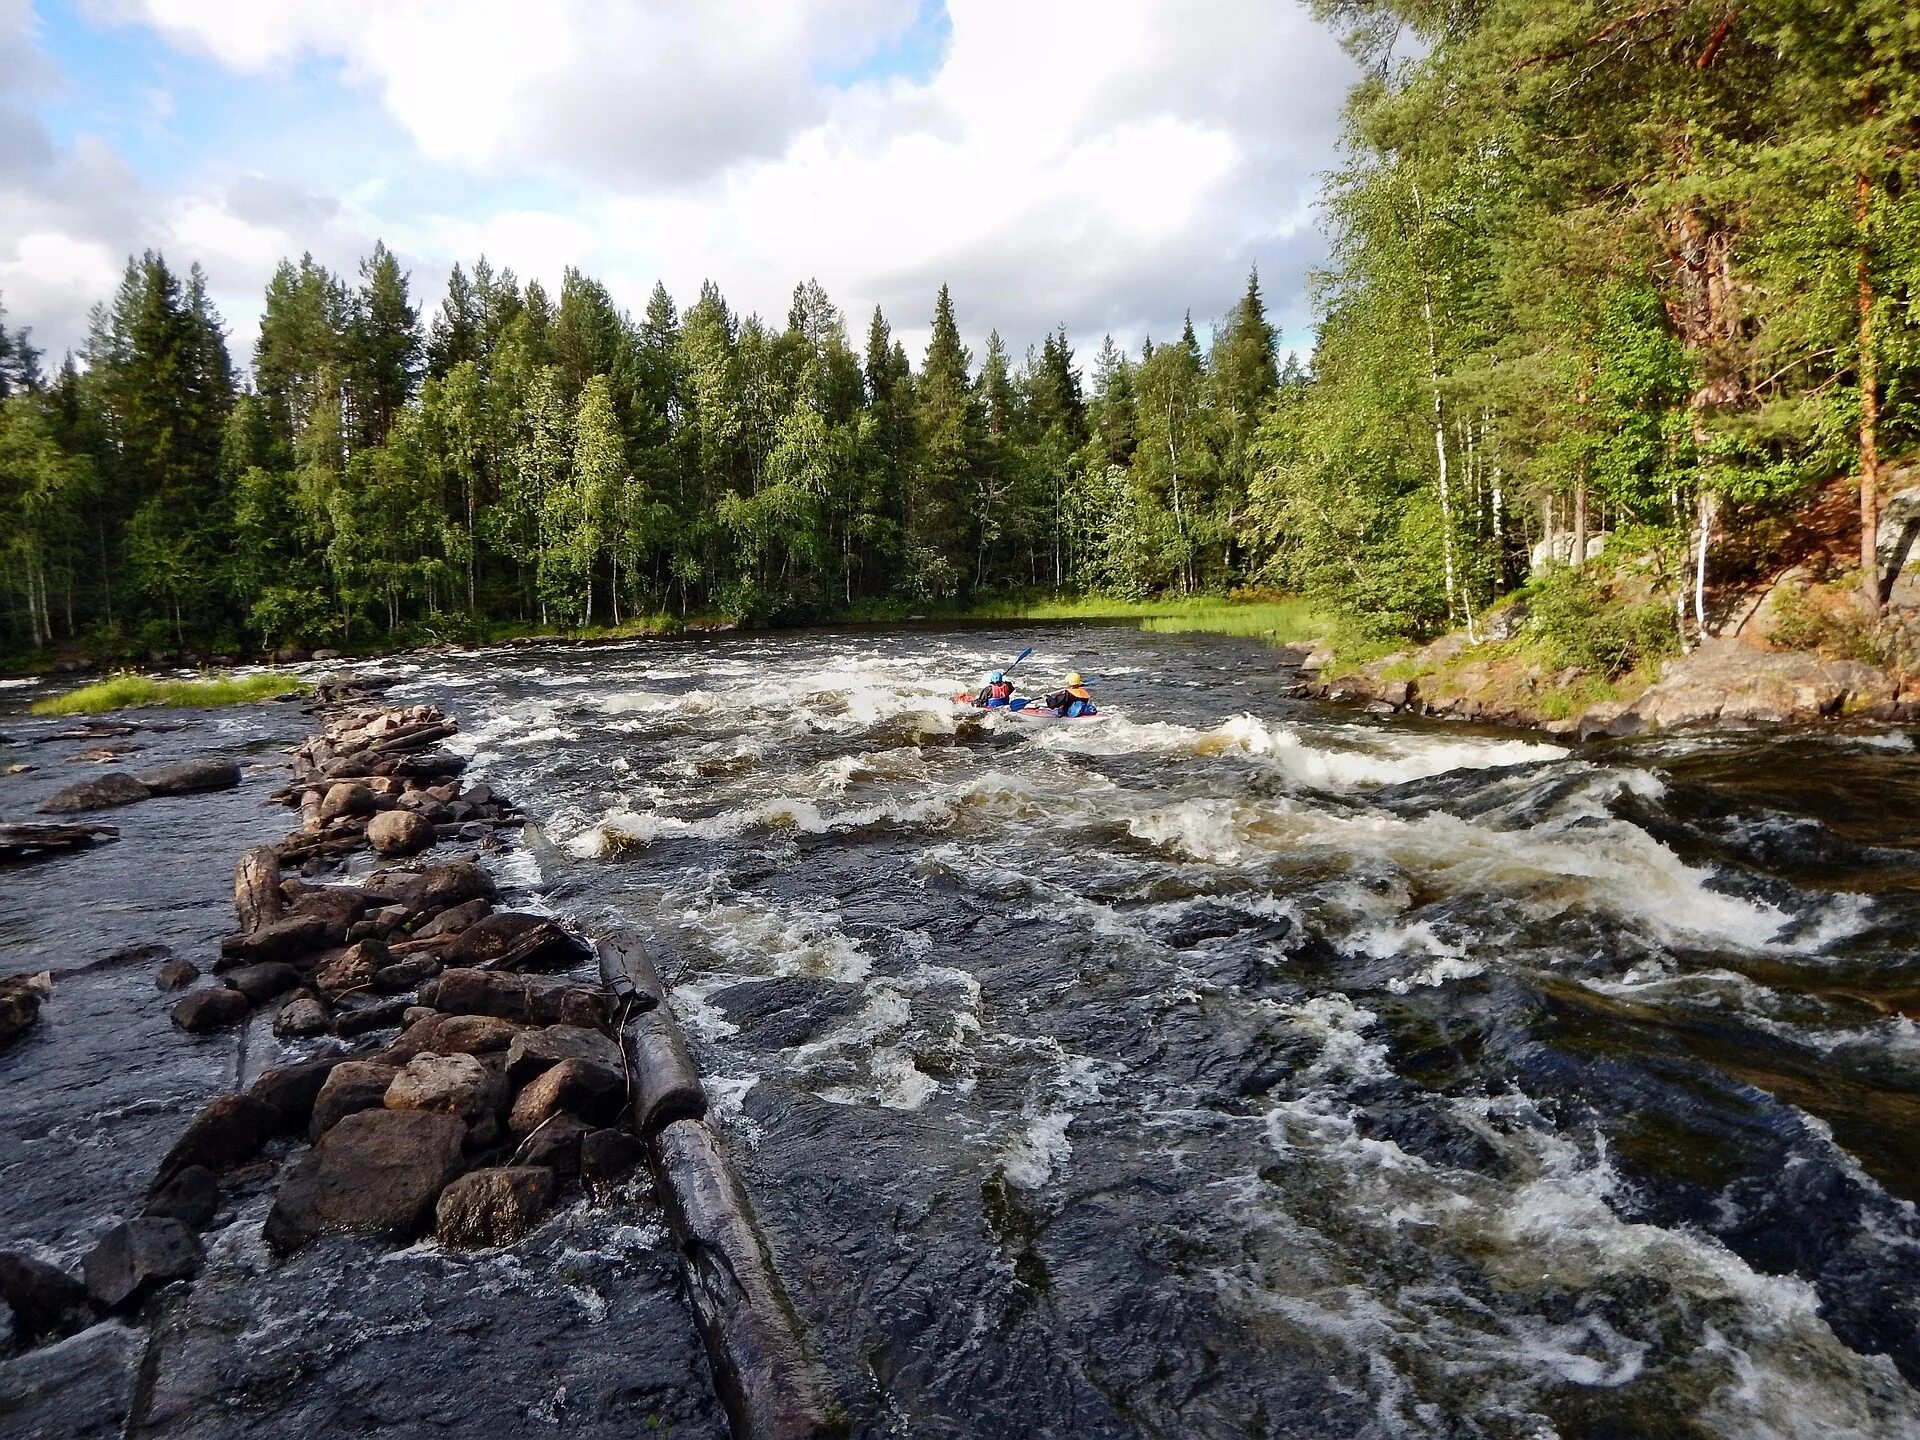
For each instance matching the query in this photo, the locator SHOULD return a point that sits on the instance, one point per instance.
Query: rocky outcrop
(1723, 683)
(377, 1173)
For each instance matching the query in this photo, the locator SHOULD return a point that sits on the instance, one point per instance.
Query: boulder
(556, 1145)
(455, 884)
(44, 1299)
(581, 1087)
(346, 797)
(338, 905)
(403, 977)
(292, 1089)
(537, 999)
(395, 887)
(609, 1154)
(375, 1173)
(455, 919)
(136, 1257)
(448, 1084)
(287, 939)
(192, 1197)
(190, 777)
(514, 940)
(262, 982)
(301, 1016)
(351, 969)
(453, 1035)
(493, 1207)
(229, 1130)
(350, 1087)
(175, 975)
(361, 1017)
(399, 832)
(534, 1051)
(102, 792)
(202, 1012)
(1728, 683)
(20, 997)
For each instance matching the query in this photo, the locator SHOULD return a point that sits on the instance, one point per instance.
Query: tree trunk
(1578, 554)
(1439, 437)
(1709, 510)
(1869, 409)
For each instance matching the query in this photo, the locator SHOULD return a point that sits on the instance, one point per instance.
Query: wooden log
(256, 888)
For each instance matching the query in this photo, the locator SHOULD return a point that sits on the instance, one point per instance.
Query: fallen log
(28, 842)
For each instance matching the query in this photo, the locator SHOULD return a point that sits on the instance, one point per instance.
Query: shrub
(1578, 624)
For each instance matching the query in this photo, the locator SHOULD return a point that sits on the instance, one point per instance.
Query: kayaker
(995, 693)
(1072, 702)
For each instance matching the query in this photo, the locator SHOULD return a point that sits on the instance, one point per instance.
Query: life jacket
(1067, 705)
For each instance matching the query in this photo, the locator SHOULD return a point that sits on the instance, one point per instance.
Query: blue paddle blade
(1018, 658)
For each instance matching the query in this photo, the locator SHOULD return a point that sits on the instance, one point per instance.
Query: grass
(125, 692)
(1276, 618)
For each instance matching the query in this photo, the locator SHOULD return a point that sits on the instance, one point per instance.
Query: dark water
(1229, 1066)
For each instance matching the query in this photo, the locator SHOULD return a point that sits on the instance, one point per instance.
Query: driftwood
(103, 730)
(256, 888)
(27, 842)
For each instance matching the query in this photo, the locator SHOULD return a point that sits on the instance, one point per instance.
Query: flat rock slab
(376, 1173)
(80, 1389)
(102, 792)
(190, 777)
(533, 1051)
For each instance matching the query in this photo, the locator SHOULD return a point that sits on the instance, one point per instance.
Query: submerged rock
(205, 1011)
(20, 997)
(189, 777)
(136, 1257)
(176, 975)
(44, 1299)
(376, 1173)
(192, 1197)
(102, 792)
(609, 1154)
(494, 1207)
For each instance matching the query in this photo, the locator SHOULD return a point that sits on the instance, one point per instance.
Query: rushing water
(1234, 1065)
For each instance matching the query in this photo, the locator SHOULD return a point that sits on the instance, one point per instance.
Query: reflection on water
(1233, 1067)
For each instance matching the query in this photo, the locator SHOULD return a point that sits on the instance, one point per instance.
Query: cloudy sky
(1106, 164)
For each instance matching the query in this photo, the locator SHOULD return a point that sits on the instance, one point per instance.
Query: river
(1238, 1065)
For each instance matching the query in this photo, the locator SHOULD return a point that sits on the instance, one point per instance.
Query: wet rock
(302, 1016)
(399, 832)
(350, 1087)
(455, 884)
(448, 1084)
(453, 1035)
(44, 1299)
(138, 1256)
(352, 969)
(338, 905)
(287, 939)
(581, 1087)
(346, 797)
(363, 1018)
(377, 1173)
(514, 940)
(539, 999)
(792, 1009)
(494, 1207)
(229, 1130)
(292, 1089)
(609, 1154)
(191, 777)
(192, 1197)
(556, 1145)
(204, 1011)
(396, 887)
(405, 976)
(20, 997)
(534, 1051)
(455, 919)
(102, 792)
(261, 983)
(175, 975)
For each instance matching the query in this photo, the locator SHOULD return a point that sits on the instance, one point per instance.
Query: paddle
(1016, 661)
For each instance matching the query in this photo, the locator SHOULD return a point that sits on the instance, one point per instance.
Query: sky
(1106, 165)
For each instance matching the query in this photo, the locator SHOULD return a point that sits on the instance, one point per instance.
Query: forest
(1642, 270)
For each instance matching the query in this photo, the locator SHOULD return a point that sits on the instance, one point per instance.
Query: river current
(1236, 1065)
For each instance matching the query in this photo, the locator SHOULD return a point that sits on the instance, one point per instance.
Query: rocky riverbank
(451, 1066)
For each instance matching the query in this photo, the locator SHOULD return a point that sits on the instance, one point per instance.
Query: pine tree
(950, 432)
(383, 347)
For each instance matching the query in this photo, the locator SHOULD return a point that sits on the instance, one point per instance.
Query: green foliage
(127, 692)
(1576, 623)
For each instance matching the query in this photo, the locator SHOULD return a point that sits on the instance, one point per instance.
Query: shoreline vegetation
(138, 692)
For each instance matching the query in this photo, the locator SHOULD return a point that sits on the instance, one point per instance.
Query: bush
(1578, 624)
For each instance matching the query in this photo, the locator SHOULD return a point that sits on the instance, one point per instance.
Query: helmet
(1073, 678)
(996, 677)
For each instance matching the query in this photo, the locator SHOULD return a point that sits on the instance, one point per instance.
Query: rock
(455, 884)
(261, 983)
(20, 997)
(338, 905)
(352, 969)
(582, 1087)
(395, 887)
(539, 999)
(534, 1051)
(494, 1207)
(328, 655)
(301, 1016)
(191, 777)
(514, 940)
(350, 1087)
(399, 832)
(1397, 694)
(102, 792)
(45, 1300)
(364, 1019)
(452, 921)
(608, 1154)
(346, 797)
(229, 1130)
(192, 1197)
(556, 1145)
(1726, 682)
(292, 1089)
(204, 1011)
(448, 1084)
(414, 1014)
(405, 976)
(375, 1173)
(287, 939)
(136, 1257)
(453, 1035)
(176, 975)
